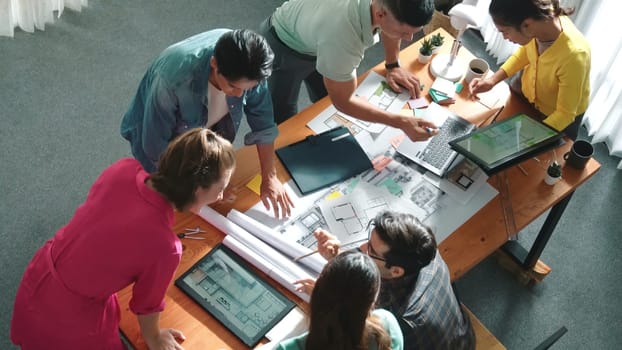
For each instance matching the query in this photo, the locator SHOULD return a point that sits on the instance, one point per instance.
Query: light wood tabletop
(472, 242)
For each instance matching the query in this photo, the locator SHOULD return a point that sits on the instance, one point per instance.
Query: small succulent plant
(426, 47)
(437, 39)
(554, 170)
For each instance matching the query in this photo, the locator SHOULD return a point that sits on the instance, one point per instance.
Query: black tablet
(507, 142)
(226, 287)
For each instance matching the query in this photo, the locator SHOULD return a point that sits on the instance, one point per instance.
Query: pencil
(497, 114)
(494, 117)
(305, 255)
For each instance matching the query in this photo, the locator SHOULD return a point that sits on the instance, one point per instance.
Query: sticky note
(420, 102)
(459, 87)
(407, 112)
(334, 195)
(419, 112)
(255, 184)
(380, 162)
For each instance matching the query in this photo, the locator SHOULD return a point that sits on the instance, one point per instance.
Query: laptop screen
(506, 143)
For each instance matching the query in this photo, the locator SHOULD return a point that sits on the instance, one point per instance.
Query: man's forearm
(345, 100)
(265, 153)
(362, 109)
(391, 49)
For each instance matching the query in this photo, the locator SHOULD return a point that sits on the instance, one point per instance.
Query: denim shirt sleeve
(260, 116)
(159, 119)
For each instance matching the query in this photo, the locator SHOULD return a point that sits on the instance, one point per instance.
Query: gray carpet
(64, 90)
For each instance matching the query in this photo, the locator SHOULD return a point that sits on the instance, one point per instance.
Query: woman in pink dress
(121, 235)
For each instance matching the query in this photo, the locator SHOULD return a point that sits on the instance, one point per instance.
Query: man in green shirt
(322, 42)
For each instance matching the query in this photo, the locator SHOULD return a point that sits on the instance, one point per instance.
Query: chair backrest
(548, 342)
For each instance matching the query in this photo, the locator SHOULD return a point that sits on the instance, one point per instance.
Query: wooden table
(472, 242)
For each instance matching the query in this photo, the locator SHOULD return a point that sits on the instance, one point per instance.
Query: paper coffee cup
(478, 68)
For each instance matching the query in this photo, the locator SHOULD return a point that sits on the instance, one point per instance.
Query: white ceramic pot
(424, 59)
(549, 180)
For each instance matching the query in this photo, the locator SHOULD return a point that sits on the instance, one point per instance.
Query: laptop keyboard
(438, 150)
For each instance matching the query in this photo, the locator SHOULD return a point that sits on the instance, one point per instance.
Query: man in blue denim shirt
(209, 80)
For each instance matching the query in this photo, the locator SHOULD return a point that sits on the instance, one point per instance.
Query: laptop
(435, 154)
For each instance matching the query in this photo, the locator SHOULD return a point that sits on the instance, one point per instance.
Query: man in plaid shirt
(415, 282)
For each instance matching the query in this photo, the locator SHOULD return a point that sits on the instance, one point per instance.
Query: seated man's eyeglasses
(370, 250)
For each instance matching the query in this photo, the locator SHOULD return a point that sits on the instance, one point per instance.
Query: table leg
(529, 260)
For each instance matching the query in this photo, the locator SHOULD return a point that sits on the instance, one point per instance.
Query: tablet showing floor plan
(225, 285)
(506, 143)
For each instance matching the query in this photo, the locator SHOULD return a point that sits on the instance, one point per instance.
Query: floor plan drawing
(377, 92)
(348, 215)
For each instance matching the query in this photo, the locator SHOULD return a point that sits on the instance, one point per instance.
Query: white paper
(376, 91)
(374, 138)
(293, 324)
(462, 182)
(349, 215)
(453, 214)
(304, 219)
(495, 97)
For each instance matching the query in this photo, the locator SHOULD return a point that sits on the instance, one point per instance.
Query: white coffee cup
(478, 68)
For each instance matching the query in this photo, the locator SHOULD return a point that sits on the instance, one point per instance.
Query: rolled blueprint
(293, 249)
(258, 246)
(264, 265)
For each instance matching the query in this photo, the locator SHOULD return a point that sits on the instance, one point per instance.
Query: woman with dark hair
(553, 62)
(341, 316)
(121, 235)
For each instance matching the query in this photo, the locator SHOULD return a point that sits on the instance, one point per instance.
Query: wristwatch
(390, 66)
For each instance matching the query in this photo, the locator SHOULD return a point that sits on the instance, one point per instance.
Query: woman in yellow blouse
(553, 62)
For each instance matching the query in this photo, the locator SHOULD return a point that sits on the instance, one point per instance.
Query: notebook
(435, 154)
(507, 143)
(324, 159)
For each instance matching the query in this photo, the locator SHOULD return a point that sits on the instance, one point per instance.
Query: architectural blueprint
(375, 90)
(373, 137)
(348, 215)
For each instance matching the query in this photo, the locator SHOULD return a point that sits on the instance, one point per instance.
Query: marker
(306, 255)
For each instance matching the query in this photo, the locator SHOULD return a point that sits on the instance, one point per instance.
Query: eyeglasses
(371, 251)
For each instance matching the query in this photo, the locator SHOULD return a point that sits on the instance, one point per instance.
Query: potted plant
(437, 41)
(553, 173)
(425, 51)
